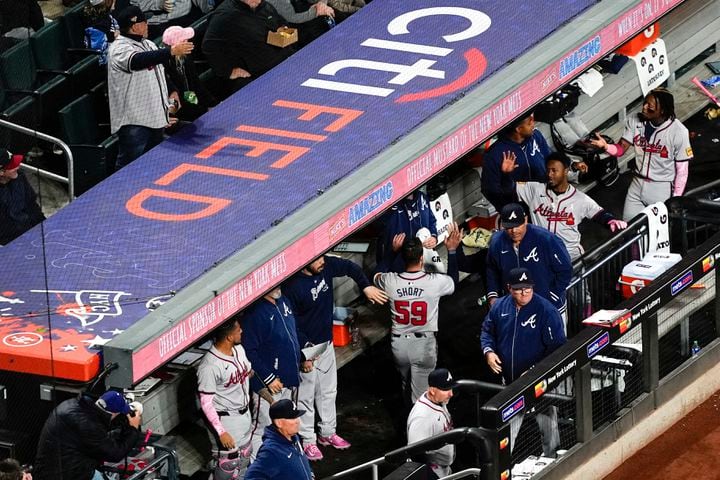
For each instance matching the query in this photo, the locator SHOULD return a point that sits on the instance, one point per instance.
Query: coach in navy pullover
(520, 330)
(530, 148)
(532, 247)
(271, 343)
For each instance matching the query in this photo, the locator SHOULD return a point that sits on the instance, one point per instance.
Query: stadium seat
(20, 78)
(93, 149)
(23, 112)
(53, 53)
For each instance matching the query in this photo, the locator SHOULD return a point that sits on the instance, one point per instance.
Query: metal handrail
(168, 455)
(373, 464)
(70, 180)
(462, 474)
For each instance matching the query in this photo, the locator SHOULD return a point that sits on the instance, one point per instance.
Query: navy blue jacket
(406, 216)
(19, 211)
(270, 341)
(541, 252)
(530, 155)
(279, 459)
(521, 337)
(311, 297)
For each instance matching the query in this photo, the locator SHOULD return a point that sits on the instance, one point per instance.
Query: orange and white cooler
(638, 273)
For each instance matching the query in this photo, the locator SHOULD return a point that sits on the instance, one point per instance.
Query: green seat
(53, 53)
(20, 78)
(93, 148)
(23, 112)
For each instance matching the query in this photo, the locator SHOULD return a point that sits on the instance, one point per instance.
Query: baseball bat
(706, 91)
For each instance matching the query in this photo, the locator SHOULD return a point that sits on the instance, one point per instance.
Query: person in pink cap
(195, 97)
(19, 210)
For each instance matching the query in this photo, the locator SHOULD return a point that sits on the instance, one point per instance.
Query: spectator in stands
(10, 469)
(430, 417)
(19, 210)
(162, 14)
(556, 205)
(18, 20)
(407, 216)
(101, 28)
(310, 292)
(83, 432)
(311, 19)
(528, 144)
(662, 152)
(235, 43)
(271, 343)
(196, 98)
(532, 247)
(520, 330)
(281, 456)
(345, 8)
(140, 101)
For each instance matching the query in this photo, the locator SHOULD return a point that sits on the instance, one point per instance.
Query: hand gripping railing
(70, 180)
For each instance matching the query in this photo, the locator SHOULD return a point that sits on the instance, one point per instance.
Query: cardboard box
(283, 37)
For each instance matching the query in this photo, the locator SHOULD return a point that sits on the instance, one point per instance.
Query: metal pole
(583, 404)
(42, 136)
(650, 353)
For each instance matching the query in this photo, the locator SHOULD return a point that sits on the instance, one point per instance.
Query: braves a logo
(530, 321)
(532, 255)
(535, 148)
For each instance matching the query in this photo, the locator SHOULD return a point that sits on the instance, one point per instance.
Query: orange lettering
(214, 205)
(258, 148)
(184, 168)
(282, 133)
(311, 111)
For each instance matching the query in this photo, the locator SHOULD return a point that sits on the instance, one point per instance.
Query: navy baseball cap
(129, 16)
(521, 277)
(442, 379)
(284, 409)
(512, 215)
(113, 402)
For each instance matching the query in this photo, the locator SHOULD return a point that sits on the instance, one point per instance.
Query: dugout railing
(660, 322)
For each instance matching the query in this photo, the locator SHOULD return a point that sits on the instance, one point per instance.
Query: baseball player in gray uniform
(430, 416)
(223, 385)
(414, 297)
(662, 152)
(557, 205)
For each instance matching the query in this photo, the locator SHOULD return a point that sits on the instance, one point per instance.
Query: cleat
(313, 453)
(335, 441)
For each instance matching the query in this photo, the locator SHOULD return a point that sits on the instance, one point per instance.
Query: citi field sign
(261, 155)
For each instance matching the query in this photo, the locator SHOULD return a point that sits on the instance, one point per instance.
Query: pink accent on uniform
(681, 176)
(615, 149)
(313, 453)
(335, 441)
(174, 35)
(210, 412)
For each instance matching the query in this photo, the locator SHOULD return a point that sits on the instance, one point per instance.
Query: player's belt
(415, 334)
(233, 412)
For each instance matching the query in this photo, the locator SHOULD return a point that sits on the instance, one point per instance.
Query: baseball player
(407, 216)
(414, 298)
(557, 205)
(520, 330)
(528, 145)
(430, 416)
(224, 388)
(532, 247)
(271, 344)
(310, 292)
(662, 152)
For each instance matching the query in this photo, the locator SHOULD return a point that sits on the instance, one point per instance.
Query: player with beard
(558, 206)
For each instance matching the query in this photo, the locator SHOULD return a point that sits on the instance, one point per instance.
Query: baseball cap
(8, 161)
(113, 402)
(442, 379)
(129, 16)
(174, 35)
(512, 215)
(284, 409)
(520, 277)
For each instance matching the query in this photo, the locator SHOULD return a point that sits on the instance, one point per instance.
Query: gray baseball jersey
(426, 420)
(655, 156)
(561, 213)
(414, 299)
(225, 377)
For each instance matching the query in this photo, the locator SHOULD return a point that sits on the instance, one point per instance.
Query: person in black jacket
(235, 43)
(19, 210)
(83, 432)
